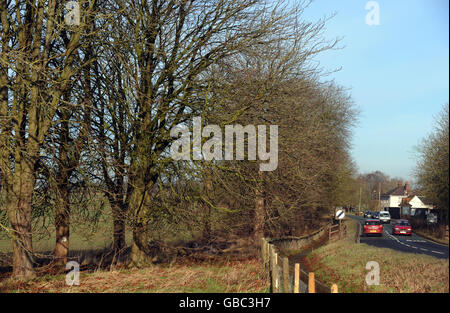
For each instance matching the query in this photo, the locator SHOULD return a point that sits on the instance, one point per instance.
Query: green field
(84, 235)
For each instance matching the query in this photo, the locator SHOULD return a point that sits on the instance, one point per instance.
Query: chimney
(399, 184)
(407, 187)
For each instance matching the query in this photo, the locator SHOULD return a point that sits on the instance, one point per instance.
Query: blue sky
(397, 72)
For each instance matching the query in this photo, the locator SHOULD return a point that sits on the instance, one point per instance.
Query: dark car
(373, 227)
(367, 214)
(402, 227)
(376, 215)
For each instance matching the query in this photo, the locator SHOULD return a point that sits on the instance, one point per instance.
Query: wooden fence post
(334, 288)
(286, 275)
(272, 268)
(274, 271)
(297, 278)
(311, 283)
(264, 252)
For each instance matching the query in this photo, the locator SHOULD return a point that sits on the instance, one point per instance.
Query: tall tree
(38, 64)
(432, 170)
(171, 46)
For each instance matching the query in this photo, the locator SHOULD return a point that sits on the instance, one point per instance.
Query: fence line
(281, 278)
(340, 229)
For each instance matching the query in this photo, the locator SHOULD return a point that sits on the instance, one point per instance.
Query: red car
(402, 227)
(373, 227)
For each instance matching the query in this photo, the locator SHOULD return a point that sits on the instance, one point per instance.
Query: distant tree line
(368, 188)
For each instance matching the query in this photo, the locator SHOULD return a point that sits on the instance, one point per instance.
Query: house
(414, 205)
(401, 201)
(392, 199)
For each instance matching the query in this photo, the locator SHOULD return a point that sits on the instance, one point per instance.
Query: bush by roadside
(437, 233)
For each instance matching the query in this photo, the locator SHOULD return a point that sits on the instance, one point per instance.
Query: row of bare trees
(86, 111)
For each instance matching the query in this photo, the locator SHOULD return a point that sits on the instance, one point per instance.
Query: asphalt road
(410, 244)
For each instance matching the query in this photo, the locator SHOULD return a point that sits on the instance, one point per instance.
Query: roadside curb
(358, 229)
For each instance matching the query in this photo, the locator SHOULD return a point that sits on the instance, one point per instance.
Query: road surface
(410, 244)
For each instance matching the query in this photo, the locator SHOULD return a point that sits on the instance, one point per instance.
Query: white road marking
(407, 245)
(410, 240)
(392, 237)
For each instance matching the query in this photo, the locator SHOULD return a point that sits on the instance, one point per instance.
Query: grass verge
(344, 263)
(431, 236)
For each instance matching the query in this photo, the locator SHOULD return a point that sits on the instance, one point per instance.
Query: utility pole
(379, 196)
(359, 207)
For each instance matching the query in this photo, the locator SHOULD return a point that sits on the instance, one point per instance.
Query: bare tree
(433, 165)
(37, 62)
(171, 47)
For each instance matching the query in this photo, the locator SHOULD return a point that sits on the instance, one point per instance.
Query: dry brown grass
(229, 276)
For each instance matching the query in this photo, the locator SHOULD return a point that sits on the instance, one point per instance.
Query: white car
(385, 217)
(431, 218)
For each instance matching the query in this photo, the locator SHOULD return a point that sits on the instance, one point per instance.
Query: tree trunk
(118, 228)
(207, 224)
(139, 206)
(62, 223)
(258, 229)
(19, 213)
(65, 168)
(140, 254)
(207, 205)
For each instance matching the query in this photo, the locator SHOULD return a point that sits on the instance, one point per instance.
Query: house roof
(397, 191)
(425, 200)
(407, 200)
